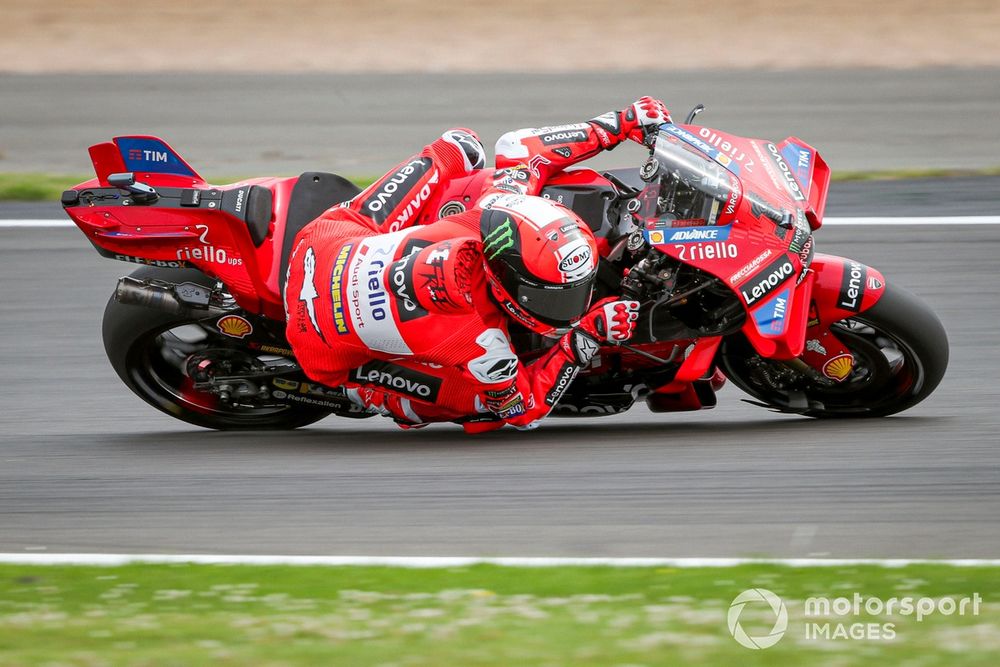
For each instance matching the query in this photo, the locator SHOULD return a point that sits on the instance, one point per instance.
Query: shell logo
(839, 367)
(235, 326)
(656, 238)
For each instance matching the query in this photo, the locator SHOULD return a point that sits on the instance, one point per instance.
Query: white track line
(832, 222)
(461, 561)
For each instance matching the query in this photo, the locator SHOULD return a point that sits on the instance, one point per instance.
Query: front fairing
(756, 233)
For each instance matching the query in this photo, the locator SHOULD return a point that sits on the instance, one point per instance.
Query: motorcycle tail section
(149, 157)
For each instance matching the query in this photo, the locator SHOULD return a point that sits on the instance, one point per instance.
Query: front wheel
(149, 349)
(900, 350)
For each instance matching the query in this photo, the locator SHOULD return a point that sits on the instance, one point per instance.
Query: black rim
(159, 368)
(886, 372)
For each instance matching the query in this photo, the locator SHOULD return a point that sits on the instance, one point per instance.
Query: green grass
(48, 187)
(480, 615)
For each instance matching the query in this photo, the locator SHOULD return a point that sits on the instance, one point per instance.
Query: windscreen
(684, 185)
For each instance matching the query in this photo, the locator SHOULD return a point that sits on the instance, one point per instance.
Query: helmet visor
(554, 305)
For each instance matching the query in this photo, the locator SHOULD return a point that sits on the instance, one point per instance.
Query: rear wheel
(900, 350)
(152, 352)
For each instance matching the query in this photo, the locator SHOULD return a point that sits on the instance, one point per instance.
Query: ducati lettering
(399, 380)
(768, 280)
(791, 183)
(701, 251)
(391, 191)
(851, 285)
(415, 204)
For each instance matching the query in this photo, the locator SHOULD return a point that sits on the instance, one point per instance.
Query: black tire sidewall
(128, 328)
(899, 314)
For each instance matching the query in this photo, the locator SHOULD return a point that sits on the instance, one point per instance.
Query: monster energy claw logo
(500, 239)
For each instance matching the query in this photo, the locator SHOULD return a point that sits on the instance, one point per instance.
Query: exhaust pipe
(162, 297)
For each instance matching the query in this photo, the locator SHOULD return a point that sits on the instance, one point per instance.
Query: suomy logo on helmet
(578, 258)
(500, 239)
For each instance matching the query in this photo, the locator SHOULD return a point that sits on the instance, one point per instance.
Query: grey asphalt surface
(86, 466)
(240, 125)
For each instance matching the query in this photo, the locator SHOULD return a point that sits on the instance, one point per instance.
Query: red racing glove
(644, 117)
(611, 320)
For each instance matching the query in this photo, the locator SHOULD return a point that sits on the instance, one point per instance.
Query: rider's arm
(529, 392)
(527, 158)
(396, 200)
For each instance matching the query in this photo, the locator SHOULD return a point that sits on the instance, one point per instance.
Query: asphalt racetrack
(85, 466)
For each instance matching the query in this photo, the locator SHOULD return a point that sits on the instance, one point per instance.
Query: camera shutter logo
(771, 600)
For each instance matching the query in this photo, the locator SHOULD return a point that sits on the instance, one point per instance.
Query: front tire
(148, 349)
(901, 354)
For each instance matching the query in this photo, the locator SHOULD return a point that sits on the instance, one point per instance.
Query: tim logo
(148, 156)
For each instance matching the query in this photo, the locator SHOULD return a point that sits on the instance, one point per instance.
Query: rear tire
(901, 354)
(144, 349)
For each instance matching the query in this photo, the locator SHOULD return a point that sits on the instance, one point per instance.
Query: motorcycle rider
(414, 319)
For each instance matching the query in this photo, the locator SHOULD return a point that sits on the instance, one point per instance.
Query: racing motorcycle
(713, 234)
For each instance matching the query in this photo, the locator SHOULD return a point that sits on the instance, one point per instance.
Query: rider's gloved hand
(643, 117)
(611, 320)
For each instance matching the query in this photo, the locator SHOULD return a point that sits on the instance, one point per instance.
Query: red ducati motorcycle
(713, 234)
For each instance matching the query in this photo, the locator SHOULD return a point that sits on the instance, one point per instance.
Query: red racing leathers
(402, 315)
